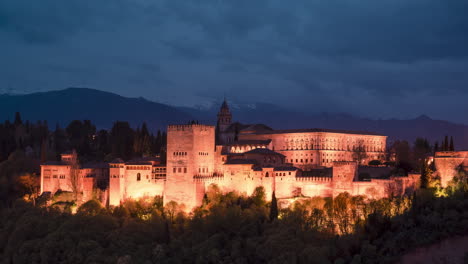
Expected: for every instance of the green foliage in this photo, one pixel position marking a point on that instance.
(90, 208)
(273, 208)
(231, 228)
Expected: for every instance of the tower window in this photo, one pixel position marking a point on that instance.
(138, 177)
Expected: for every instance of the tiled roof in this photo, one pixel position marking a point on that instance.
(138, 163)
(241, 161)
(306, 130)
(263, 151)
(55, 163)
(95, 165)
(248, 128)
(285, 168)
(256, 128)
(118, 160)
(251, 142)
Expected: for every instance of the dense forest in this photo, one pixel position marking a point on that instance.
(231, 228)
(227, 228)
(38, 141)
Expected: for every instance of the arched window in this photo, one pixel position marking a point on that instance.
(138, 176)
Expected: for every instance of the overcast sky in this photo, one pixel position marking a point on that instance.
(379, 59)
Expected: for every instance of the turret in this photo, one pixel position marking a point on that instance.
(224, 117)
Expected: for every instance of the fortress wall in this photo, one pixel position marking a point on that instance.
(146, 186)
(344, 173)
(116, 184)
(51, 181)
(189, 149)
(88, 186)
(447, 163)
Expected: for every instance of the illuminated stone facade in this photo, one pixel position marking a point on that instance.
(291, 163)
(448, 163)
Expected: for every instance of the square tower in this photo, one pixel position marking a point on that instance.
(190, 152)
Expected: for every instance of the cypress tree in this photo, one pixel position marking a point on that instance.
(424, 176)
(446, 144)
(436, 147)
(451, 148)
(273, 208)
(18, 120)
(43, 151)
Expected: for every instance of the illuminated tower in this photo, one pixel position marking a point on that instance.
(224, 117)
(190, 153)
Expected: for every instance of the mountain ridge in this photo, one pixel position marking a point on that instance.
(104, 108)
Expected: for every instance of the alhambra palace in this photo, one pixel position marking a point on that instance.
(241, 157)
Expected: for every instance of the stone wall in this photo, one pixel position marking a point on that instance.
(190, 152)
(312, 149)
(447, 164)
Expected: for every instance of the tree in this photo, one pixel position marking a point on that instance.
(75, 182)
(90, 208)
(18, 120)
(359, 151)
(81, 135)
(258, 196)
(43, 151)
(421, 150)
(122, 136)
(403, 155)
(273, 207)
(28, 185)
(451, 147)
(426, 176)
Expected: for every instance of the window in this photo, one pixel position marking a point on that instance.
(179, 170)
(174, 170)
(138, 176)
(185, 170)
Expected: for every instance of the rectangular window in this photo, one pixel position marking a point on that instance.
(174, 170)
(179, 170)
(185, 170)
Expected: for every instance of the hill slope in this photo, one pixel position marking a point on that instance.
(102, 108)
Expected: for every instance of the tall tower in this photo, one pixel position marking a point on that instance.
(224, 117)
(190, 152)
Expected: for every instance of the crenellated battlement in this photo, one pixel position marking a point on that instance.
(188, 127)
(313, 179)
(208, 178)
(343, 163)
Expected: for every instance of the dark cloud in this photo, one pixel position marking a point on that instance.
(394, 57)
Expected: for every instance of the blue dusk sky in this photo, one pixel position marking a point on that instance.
(378, 59)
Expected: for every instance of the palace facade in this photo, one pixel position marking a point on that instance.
(236, 157)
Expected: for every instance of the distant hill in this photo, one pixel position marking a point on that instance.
(280, 118)
(104, 108)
